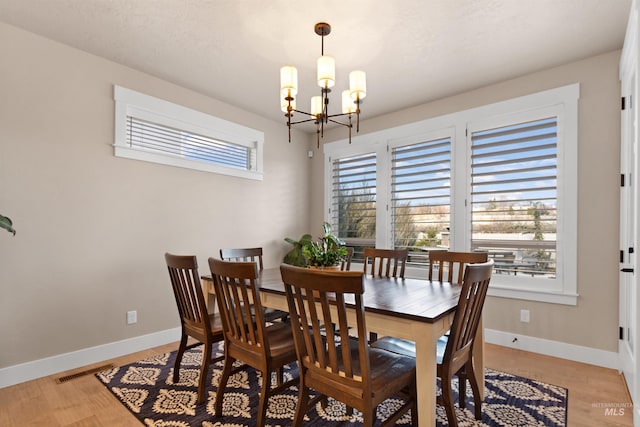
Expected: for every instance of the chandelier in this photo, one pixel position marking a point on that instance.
(351, 98)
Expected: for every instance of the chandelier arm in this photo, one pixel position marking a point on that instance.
(303, 121)
(340, 123)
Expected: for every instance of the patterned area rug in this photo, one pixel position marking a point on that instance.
(147, 390)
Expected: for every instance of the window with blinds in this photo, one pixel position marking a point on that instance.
(162, 139)
(421, 197)
(353, 200)
(158, 131)
(513, 196)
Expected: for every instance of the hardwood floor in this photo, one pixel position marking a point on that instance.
(84, 401)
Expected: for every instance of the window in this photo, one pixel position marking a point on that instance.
(513, 196)
(421, 197)
(353, 200)
(500, 178)
(158, 131)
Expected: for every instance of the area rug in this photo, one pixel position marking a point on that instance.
(147, 390)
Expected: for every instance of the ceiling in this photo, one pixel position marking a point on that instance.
(413, 51)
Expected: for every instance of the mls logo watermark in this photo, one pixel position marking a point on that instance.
(613, 409)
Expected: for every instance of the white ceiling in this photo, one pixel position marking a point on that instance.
(413, 51)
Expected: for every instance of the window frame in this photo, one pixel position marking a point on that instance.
(563, 103)
(145, 107)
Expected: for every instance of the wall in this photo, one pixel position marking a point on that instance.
(92, 229)
(594, 321)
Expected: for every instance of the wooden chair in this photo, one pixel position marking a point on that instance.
(265, 348)
(453, 263)
(253, 255)
(385, 262)
(455, 351)
(195, 321)
(346, 263)
(355, 374)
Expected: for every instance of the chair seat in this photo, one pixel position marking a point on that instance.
(389, 370)
(407, 347)
(280, 339)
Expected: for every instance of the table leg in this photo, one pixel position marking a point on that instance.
(426, 375)
(209, 294)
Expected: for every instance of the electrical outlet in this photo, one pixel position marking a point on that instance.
(132, 317)
(524, 316)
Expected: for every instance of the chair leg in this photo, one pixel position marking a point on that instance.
(176, 366)
(369, 417)
(302, 406)
(224, 377)
(204, 372)
(264, 397)
(280, 375)
(477, 401)
(447, 401)
(462, 390)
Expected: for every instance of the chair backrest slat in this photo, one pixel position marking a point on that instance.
(320, 298)
(243, 255)
(239, 303)
(389, 262)
(469, 311)
(187, 290)
(453, 263)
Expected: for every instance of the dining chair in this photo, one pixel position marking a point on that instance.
(333, 364)
(385, 262)
(246, 336)
(452, 263)
(345, 265)
(253, 255)
(195, 321)
(455, 351)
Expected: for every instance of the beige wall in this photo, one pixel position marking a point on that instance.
(93, 228)
(594, 321)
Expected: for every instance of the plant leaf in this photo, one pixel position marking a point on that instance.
(7, 224)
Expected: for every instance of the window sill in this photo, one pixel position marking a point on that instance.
(533, 295)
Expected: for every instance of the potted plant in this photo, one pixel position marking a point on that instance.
(328, 251)
(7, 224)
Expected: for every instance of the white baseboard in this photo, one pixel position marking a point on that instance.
(577, 353)
(63, 362)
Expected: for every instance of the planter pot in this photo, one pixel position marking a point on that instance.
(325, 267)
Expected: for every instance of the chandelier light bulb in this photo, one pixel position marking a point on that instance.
(288, 81)
(316, 106)
(358, 85)
(326, 71)
(348, 106)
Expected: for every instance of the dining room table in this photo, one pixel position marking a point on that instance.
(420, 310)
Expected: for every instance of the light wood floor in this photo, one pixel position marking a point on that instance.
(84, 401)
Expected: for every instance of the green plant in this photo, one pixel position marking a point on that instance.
(7, 224)
(328, 251)
(296, 255)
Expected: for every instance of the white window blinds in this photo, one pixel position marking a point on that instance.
(166, 140)
(353, 199)
(421, 197)
(513, 196)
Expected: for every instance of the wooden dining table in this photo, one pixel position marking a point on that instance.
(414, 309)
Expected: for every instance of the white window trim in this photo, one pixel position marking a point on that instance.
(131, 103)
(563, 101)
